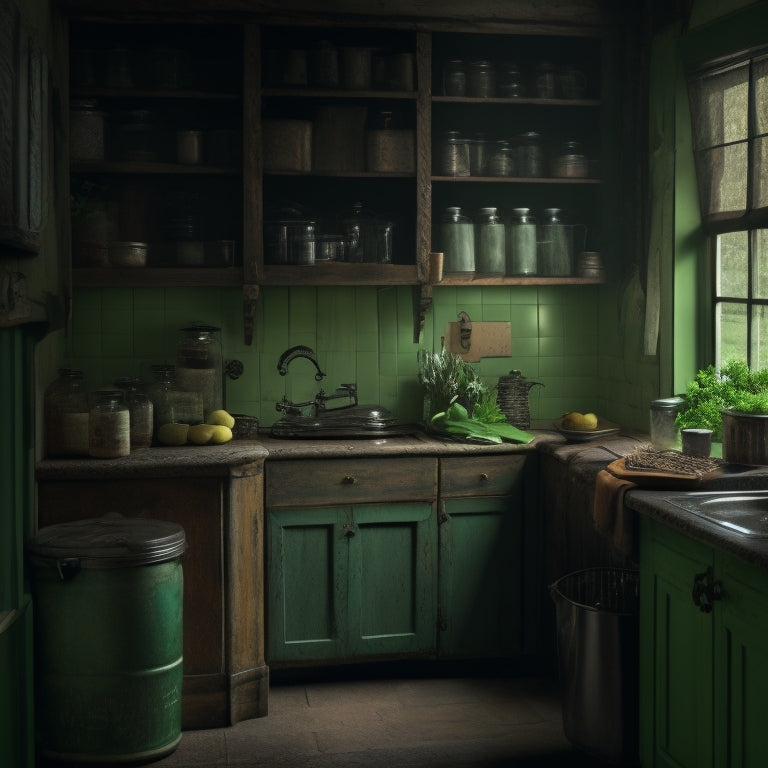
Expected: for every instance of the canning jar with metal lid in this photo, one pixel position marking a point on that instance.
(530, 155)
(454, 156)
(482, 79)
(109, 426)
(455, 78)
(663, 415)
(501, 161)
(570, 161)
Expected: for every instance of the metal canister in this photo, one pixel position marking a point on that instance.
(108, 598)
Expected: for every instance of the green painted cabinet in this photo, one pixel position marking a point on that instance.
(484, 610)
(703, 674)
(356, 579)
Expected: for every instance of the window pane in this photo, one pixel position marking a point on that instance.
(760, 75)
(760, 263)
(719, 107)
(723, 180)
(760, 172)
(759, 357)
(730, 332)
(731, 264)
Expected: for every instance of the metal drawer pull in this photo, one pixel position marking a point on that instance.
(706, 590)
(349, 480)
(349, 530)
(483, 476)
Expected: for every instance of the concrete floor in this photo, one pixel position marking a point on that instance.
(403, 721)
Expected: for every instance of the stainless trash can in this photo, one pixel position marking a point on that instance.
(597, 644)
(108, 639)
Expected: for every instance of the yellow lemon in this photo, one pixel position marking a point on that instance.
(221, 434)
(200, 434)
(590, 421)
(173, 434)
(572, 420)
(222, 418)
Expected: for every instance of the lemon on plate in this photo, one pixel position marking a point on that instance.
(173, 433)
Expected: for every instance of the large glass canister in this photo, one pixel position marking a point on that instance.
(109, 426)
(530, 155)
(490, 252)
(458, 242)
(521, 243)
(664, 431)
(555, 245)
(501, 161)
(455, 78)
(199, 365)
(482, 79)
(65, 408)
(170, 404)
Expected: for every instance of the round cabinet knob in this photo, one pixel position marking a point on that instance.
(484, 476)
(349, 480)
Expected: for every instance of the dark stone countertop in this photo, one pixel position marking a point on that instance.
(655, 505)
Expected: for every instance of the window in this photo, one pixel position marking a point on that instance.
(729, 112)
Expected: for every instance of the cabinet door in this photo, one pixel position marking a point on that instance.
(481, 577)
(392, 579)
(676, 653)
(741, 665)
(307, 583)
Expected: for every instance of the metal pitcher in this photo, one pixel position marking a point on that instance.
(512, 397)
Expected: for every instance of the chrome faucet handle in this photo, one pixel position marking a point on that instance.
(299, 351)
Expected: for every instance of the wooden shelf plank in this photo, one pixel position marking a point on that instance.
(167, 277)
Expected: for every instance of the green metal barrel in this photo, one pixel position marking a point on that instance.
(108, 639)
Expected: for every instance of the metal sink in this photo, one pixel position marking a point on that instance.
(743, 512)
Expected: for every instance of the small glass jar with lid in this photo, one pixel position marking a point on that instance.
(140, 409)
(109, 426)
(664, 430)
(501, 161)
(511, 84)
(454, 156)
(481, 82)
(570, 161)
(170, 404)
(65, 408)
(455, 78)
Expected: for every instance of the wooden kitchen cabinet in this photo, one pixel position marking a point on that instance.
(225, 676)
(703, 675)
(355, 579)
(488, 601)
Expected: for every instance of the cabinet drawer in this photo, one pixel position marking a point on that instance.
(307, 483)
(481, 476)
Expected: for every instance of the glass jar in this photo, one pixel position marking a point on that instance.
(521, 243)
(664, 431)
(458, 241)
(490, 251)
(511, 84)
(555, 245)
(65, 409)
(86, 131)
(546, 80)
(199, 365)
(478, 155)
(455, 78)
(482, 79)
(140, 410)
(454, 157)
(170, 404)
(109, 426)
(570, 161)
(530, 155)
(359, 233)
(501, 161)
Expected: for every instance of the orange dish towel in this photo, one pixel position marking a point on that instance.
(609, 515)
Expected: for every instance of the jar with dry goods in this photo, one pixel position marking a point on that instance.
(511, 84)
(570, 161)
(530, 155)
(199, 364)
(454, 157)
(140, 410)
(521, 243)
(490, 249)
(458, 242)
(109, 426)
(65, 407)
(501, 161)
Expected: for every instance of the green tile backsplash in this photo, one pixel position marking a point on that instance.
(362, 335)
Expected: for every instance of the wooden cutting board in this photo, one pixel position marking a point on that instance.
(487, 339)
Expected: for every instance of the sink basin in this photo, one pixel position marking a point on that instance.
(744, 512)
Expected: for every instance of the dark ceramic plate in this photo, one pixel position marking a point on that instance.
(604, 428)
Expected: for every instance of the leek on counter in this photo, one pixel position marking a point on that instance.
(456, 421)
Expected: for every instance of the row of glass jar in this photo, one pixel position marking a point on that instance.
(483, 79)
(522, 156)
(112, 422)
(489, 246)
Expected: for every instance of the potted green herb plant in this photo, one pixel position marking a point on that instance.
(733, 403)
